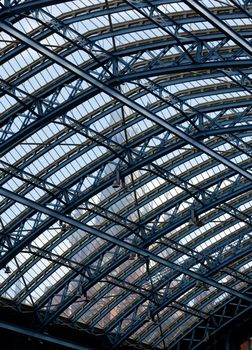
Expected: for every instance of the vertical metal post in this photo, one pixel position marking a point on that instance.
(249, 342)
(227, 342)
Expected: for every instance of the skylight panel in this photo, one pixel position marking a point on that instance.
(83, 136)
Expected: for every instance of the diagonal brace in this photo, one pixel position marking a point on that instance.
(120, 97)
(218, 23)
(117, 241)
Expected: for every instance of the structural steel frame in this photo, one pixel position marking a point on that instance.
(182, 86)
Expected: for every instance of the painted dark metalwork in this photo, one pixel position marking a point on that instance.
(126, 169)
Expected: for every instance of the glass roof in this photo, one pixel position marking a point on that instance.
(125, 163)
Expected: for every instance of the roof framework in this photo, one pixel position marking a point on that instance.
(125, 198)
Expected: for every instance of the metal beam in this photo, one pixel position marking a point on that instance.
(147, 242)
(109, 54)
(166, 302)
(179, 324)
(31, 5)
(34, 234)
(219, 315)
(24, 242)
(120, 97)
(84, 197)
(224, 131)
(99, 276)
(44, 119)
(222, 26)
(31, 287)
(114, 240)
(175, 295)
(162, 283)
(182, 341)
(41, 336)
(28, 6)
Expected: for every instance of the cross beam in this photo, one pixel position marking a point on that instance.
(28, 6)
(218, 23)
(114, 240)
(41, 336)
(120, 97)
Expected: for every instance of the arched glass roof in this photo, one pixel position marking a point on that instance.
(125, 166)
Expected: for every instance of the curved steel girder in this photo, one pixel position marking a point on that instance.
(198, 135)
(95, 167)
(171, 299)
(140, 73)
(141, 90)
(121, 98)
(126, 51)
(120, 298)
(202, 304)
(31, 5)
(151, 12)
(75, 251)
(160, 155)
(137, 166)
(44, 274)
(157, 71)
(119, 242)
(28, 6)
(164, 190)
(124, 7)
(119, 54)
(128, 171)
(239, 316)
(80, 247)
(34, 126)
(201, 37)
(97, 280)
(165, 318)
(223, 131)
(221, 25)
(97, 189)
(40, 153)
(12, 227)
(108, 54)
(215, 327)
(147, 332)
(148, 241)
(43, 179)
(144, 26)
(79, 99)
(138, 324)
(208, 252)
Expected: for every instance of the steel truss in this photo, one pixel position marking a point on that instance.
(169, 205)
